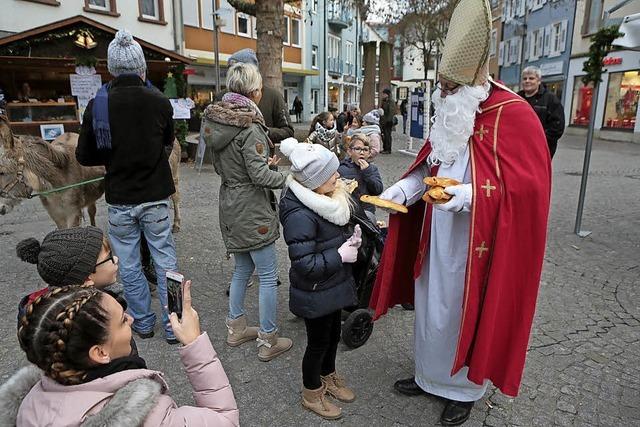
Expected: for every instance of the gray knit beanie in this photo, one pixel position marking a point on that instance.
(125, 55)
(246, 56)
(311, 164)
(65, 257)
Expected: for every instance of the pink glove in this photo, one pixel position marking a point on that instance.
(349, 249)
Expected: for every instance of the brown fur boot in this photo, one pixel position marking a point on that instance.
(337, 388)
(271, 346)
(317, 402)
(238, 332)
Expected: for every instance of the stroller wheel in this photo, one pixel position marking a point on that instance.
(357, 329)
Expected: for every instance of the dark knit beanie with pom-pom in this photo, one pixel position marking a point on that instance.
(65, 257)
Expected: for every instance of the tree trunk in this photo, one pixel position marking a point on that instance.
(386, 52)
(269, 26)
(368, 95)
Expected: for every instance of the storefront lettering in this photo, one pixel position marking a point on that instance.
(612, 60)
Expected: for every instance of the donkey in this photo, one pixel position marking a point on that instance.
(30, 164)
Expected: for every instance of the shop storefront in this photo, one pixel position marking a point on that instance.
(617, 114)
(49, 73)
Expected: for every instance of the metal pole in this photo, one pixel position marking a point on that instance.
(585, 166)
(215, 46)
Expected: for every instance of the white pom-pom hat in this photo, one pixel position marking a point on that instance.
(311, 164)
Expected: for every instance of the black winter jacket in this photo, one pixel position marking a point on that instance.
(551, 114)
(320, 282)
(141, 122)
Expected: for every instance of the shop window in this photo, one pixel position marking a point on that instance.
(555, 88)
(295, 32)
(151, 11)
(107, 7)
(243, 25)
(581, 102)
(622, 100)
(403, 93)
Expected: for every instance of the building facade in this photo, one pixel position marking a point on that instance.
(150, 20)
(536, 32)
(617, 116)
(496, 37)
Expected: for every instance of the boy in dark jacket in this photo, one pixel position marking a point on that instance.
(357, 167)
(315, 209)
(126, 128)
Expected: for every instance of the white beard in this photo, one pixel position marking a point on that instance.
(453, 122)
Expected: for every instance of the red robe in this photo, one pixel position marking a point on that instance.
(511, 178)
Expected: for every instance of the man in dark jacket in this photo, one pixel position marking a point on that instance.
(386, 121)
(546, 105)
(128, 128)
(272, 104)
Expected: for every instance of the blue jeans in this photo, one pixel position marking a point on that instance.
(126, 223)
(264, 262)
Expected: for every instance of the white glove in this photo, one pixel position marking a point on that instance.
(349, 249)
(394, 194)
(461, 200)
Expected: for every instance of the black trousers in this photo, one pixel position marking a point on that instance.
(323, 335)
(552, 147)
(386, 137)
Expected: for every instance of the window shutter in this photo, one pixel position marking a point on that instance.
(547, 40)
(540, 42)
(501, 54)
(563, 36)
(527, 50)
(521, 8)
(518, 50)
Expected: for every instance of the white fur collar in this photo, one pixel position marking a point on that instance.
(334, 209)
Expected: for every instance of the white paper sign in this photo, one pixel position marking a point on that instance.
(182, 108)
(85, 85)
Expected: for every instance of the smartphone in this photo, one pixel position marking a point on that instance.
(174, 292)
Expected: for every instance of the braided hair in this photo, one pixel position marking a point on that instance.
(58, 329)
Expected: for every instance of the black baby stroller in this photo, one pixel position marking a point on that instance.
(358, 320)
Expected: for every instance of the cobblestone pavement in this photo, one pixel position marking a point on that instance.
(581, 367)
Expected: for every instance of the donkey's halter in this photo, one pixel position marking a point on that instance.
(19, 179)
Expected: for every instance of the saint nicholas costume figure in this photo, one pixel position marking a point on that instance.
(471, 266)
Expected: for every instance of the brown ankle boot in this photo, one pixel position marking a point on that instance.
(316, 401)
(337, 388)
(238, 332)
(271, 346)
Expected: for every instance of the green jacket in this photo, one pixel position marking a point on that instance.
(247, 207)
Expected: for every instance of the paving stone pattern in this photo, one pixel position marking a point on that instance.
(582, 366)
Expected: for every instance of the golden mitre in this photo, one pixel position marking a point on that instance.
(465, 57)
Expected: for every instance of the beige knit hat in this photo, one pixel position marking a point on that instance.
(465, 57)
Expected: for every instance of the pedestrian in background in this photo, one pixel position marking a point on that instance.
(315, 209)
(546, 105)
(323, 131)
(371, 128)
(236, 130)
(403, 111)
(297, 108)
(387, 121)
(128, 128)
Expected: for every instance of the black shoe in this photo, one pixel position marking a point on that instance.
(408, 387)
(144, 335)
(172, 341)
(455, 413)
(408, 306)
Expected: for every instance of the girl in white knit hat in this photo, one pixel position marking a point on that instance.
(315, 209)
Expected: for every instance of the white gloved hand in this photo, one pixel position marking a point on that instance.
(348, 253)
(394, 194)
(460, 201)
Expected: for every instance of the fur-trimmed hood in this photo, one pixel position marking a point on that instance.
(132, 399)
(225, 122)
(335, 209)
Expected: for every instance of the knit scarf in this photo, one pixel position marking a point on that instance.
(325, 135)
(238, 99)
(100, 113)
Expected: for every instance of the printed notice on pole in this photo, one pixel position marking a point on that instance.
(182, 108)
(85, 86)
